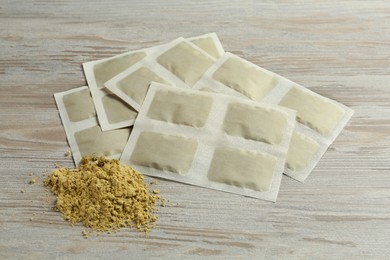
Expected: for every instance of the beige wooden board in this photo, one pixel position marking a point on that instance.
(339, 49)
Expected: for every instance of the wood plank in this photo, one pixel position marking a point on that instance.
(340, 49)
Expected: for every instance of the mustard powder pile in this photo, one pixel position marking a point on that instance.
(104, 195)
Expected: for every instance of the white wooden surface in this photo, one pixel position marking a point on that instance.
(340, 49)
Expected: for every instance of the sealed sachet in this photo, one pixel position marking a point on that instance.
(319, 119)
(179, 63)
(211, 140)
(132, 84)
(84, 135)
(210, 43)
(113, 112)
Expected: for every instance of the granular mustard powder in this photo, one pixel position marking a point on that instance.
(104, 195)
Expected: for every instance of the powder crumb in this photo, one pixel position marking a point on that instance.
(156, 191)
(31, 219)
(22, 191)
(153, 182)
(56, 165)
(85, 234)
(32, 181)
(67, 153)
(162, 204)
(104, 195)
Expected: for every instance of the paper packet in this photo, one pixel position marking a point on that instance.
(211, 140)
(179, 63)
(319, 119)
(84, 135)
(210, 43)
(112, 112)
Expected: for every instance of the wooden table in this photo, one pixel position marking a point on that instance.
(340, 49)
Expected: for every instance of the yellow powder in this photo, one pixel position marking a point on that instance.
(32, 181)
(85, 234)
(162, 204)
(104, 195)
(57, 165)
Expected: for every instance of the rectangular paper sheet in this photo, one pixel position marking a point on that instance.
(179, 63)
(196, 137)
(84, 135)
(112, 112)
(319, 119)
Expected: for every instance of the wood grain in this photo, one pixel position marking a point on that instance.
(340, 49)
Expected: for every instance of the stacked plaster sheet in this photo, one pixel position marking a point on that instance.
(211, 140)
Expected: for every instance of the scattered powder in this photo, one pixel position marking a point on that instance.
(57, 165)
(32, 181)
(85, 234)
(22, 191)
(67, 153)
(104, 195)
(162, 204)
